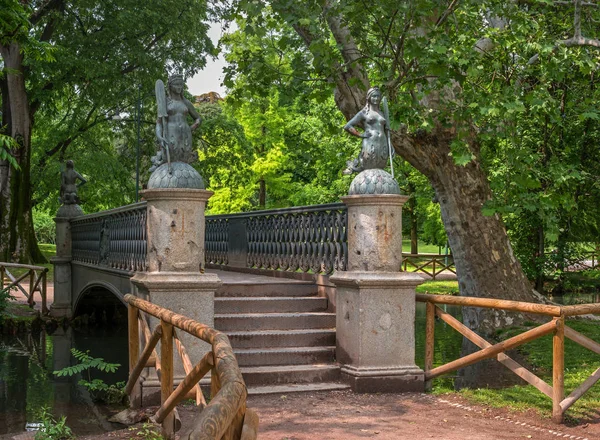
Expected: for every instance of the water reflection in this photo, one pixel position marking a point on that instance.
(447, 340)
(27, 383)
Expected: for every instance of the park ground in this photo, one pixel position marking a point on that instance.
(343, 415)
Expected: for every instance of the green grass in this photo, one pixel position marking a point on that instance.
(422, 247)
(439, 287)
(49, 251)
(580, 363)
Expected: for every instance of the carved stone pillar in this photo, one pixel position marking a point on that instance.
(175, 278)
(375, 302)
(62, 306)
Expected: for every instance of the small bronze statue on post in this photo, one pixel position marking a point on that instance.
(69, 186)
(173, 134)
(376, 145)
(376, 148)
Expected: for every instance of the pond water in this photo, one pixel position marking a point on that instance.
(27, 382)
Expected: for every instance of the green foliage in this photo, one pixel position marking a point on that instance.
(86, 362)
(523, 109)
(147, 431)
(99, 390)
(53, 429)
(5, 298)
(433, 228)
(45, 226)
(7, 144)
(439, 287)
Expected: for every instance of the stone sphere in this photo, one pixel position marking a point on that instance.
(374, 181)
(182, 175)
(69, 211)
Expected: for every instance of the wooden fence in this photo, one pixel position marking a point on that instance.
(556, 327)
(226, 416)
(36, 275)
(430, 264)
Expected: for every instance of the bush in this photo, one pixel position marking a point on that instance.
(5, 297)
(51, 429)
(45, 228)
(99, 391)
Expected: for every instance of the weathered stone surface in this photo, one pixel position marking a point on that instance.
(182, 175)
(375, 330)
(176, 229)
(375, 302)
(69, 211)
(375, 232)
(374, 181)
(62, 304)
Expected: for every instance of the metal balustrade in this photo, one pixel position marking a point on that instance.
(306, 238)
(115, 238)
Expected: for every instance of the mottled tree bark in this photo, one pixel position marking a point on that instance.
(17, 238)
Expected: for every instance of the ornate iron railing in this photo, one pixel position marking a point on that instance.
(115, 238)
(306, 238)
(216, 240)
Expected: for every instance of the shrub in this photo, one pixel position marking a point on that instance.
(51, 429)
(45, 228)
(99, 391)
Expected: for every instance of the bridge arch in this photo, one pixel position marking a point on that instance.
(101, 301)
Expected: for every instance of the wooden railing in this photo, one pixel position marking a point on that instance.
(430, 264)
(556, 327)
(36, 275)
(226, 416)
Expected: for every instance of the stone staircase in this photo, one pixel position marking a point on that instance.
(282, 335)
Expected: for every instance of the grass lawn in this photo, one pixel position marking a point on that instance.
(49, 251)
(580, 363)
(423, 248)
(439, 287)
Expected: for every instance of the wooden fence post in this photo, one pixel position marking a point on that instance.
(558, 369)
(134, 352)
(31, 284)
(429, 340)
(166, 380)
(44, 292)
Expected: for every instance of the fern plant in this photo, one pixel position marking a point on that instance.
(52, 429)
(98, 389)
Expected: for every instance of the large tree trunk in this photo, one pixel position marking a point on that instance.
(17, 238)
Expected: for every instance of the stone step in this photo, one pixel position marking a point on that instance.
(296, 388)
(290, 374)
(273, 321)
(270, 304)
(283, 288)
(281, 338)
(254, 357)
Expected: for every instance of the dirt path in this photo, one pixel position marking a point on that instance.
(343, 415)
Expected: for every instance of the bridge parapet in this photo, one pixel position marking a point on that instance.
(305, 238)
(115, 238)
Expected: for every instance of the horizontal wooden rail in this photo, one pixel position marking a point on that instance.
(37, 282)
(557, 327)
(491, 303)
(503, 358)
(224, 417)
(426, 263)
(493, 350)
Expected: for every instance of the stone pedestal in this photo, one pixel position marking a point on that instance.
(62, 304)
(175, 278)
(375, 302)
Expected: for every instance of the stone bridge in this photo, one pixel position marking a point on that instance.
(285, 328)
